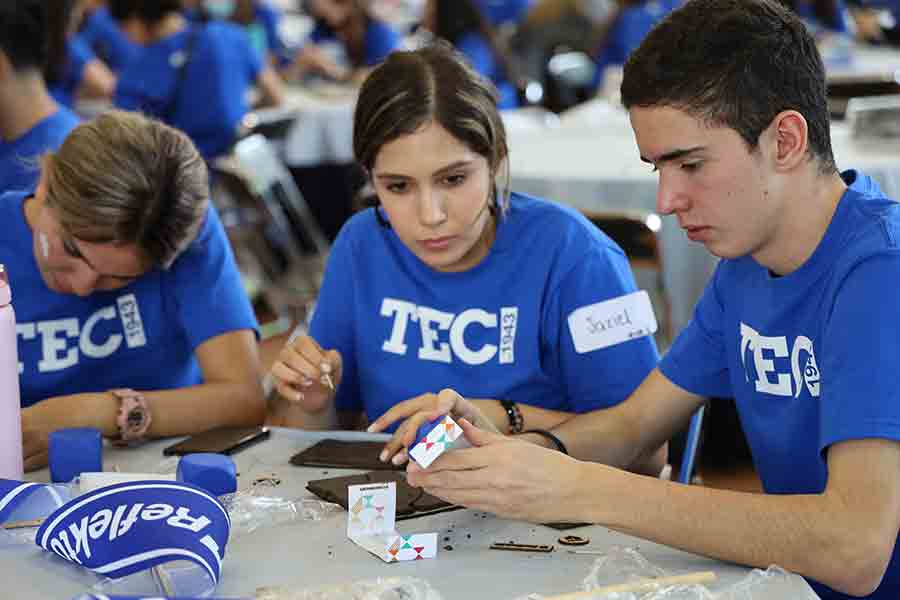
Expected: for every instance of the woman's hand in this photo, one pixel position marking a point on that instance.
(422, 409)
(34, 445)
(307, 374)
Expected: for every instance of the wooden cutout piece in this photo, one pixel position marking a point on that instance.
(521, 547)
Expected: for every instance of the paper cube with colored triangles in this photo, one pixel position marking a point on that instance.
(370, 525)
(433, 439)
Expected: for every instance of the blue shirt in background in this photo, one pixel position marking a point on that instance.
(142, 336)
(381, 40)
(499, 12)
(481, 56)
(78, 55)
(19, 166)
(212, 98)
(498, 330)
(627, 32)
(810, 358)
(103, 35)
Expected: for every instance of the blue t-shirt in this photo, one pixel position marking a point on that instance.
(499, 12)
(78, 55)
(498, 330)
(19, 167)
(808, 357)
(381, 40)
(837, 21)
(211, 100)
(627, 32)
(481, 56)
(269, 18)
(141, 336)
(101, 32)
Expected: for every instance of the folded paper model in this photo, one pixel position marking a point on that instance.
(371, 525)
(433, 439)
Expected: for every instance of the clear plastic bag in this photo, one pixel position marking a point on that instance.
(624, 565)
(41, 503)
(392, 588)
(178, 578)
(254, 509)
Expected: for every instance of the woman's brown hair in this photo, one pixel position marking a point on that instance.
(431, 84)
(124, 178)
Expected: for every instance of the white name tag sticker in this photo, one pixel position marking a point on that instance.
(612, 322)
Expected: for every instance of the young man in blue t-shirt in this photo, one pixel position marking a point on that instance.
(31, 122)
(800, 323)
(131, 317)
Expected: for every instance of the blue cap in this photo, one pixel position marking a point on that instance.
(215, 473)
(73, 452)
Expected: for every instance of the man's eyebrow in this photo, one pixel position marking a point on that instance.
(673, 155)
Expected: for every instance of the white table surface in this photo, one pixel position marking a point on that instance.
(309, 554)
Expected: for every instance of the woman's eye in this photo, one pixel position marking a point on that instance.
(70, 249)
(456, 179)
(691, 166)
(397, 188)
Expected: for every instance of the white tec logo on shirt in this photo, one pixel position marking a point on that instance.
(431, 321)
(763, 349)
(64, 341)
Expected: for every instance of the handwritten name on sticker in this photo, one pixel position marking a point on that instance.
(612, 322)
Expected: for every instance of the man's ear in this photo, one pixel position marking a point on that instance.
(789, 138)
(6, 67)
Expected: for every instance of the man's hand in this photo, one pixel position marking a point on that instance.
(419, 410)
(503, 476)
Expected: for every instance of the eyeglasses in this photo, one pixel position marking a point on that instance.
(71, 249)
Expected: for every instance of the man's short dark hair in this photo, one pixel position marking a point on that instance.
(23, 33)
(733, 63)
(150, 11)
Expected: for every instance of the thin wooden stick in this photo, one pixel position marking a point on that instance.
(163, 580)
(640, 585)
(22, 524)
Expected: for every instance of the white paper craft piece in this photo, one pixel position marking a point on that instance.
(436, 442)
(612, 322)
(372, 509)
(370, 525)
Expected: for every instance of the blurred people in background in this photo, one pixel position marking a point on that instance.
(103, 35)
(31, 122)
(73, 71)
(346, 42)
(260, 20)
(193, 75)
(504, 12)
(461, 23)
(628, 23)
(821, 15)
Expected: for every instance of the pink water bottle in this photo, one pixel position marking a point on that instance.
(10, 403)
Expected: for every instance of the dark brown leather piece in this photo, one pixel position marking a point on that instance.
(338, 454)
(411, 502)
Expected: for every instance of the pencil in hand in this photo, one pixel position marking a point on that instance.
(327, 381)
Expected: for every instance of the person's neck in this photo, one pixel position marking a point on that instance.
(808, 208)
(167, 26)
(24, 102)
